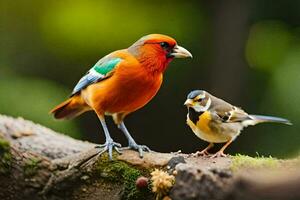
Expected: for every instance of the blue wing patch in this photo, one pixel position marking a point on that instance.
(99, 72)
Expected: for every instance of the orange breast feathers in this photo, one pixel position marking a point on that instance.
(130, 88)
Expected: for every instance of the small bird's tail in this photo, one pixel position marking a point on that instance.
(70, 108)
(261, 119)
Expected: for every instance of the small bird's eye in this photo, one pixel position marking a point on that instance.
(164, 45)
(200, 100)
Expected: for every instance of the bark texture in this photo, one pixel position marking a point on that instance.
(38, 163)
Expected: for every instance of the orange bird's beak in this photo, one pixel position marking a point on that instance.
(180, 52)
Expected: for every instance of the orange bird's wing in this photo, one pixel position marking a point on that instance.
(103, 69)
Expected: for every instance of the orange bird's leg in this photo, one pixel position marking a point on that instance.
(220, 153)
(118, 119)
(109, 144)
(131, 143)
(204, 151)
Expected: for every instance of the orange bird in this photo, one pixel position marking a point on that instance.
(121, 83)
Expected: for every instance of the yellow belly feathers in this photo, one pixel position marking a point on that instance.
(204, 132)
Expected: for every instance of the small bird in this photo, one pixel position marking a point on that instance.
(121, 83)
(216, 121)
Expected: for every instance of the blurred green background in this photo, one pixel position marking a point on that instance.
(247, 52)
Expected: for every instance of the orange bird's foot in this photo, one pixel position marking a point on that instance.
(140, 148)
(108, 147)
(219, 154)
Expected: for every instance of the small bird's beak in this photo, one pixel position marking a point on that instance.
(180, 52)
(188, 103)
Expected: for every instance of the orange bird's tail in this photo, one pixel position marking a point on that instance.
(70, 108)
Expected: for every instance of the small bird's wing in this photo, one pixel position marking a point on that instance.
(224, 112)
(103, 69)
(230, 114)
(238, 115)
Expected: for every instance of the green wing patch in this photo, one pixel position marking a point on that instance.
(106, 67)
(96, 73)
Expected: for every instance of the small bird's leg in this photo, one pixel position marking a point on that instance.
(109, 144)
(221, 153)
(131, 143)
(204, 151)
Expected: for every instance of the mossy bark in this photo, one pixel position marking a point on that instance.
(5, 156)
(37, 163)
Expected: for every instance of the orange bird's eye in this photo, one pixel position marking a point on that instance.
(164, 45)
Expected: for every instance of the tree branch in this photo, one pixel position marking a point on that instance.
(38, 163)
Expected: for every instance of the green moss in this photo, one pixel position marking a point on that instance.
(5, 156)
(4, 145)
(242, 161)
(31, 166)
(120, 172)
